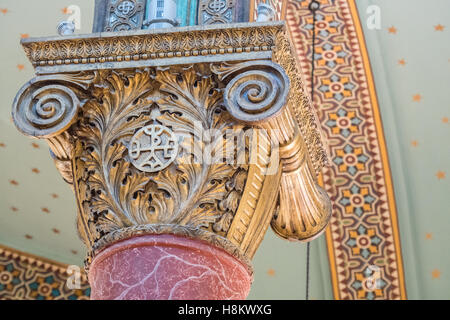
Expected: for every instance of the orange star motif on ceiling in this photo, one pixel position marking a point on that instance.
(14, 209)
(4, 11)
(439, 27)
(402, 62)
(55, 230)
(436, 274)
(414, 143)
(66, 10)
(54, 195)
(46, 210)
(392, 30)
(417, 97)
(28, 237)
(2, 145)
(20, 67)
(428, 236)
(271, 272)
(24, 35)
(35, 170)
(440, 175)
(74, 251)
(13, 182)
(35, 145)
(444, 120)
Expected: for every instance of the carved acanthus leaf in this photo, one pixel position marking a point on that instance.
(193, 107)
(112, 184)
(188, 192)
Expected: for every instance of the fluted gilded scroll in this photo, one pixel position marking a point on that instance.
(258, 93)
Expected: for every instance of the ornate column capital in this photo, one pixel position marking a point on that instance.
(204, 132)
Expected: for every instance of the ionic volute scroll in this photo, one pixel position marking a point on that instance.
(46, 107)
(259, 93)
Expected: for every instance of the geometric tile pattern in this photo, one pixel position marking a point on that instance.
(26, 277)
(363, 237)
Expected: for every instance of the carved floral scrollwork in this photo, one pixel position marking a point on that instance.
(257, 91)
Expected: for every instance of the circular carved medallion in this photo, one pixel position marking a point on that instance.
(153, 148)
(125, 8)
(217, 5)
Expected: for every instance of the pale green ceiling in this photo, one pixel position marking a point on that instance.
(422, 199)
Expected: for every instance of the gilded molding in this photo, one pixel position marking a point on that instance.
(149, 45)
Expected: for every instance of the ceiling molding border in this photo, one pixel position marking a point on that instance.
(24, 276)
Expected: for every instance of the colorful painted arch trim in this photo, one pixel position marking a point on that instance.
(363, 238)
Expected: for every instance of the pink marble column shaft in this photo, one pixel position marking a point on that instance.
(153, 267)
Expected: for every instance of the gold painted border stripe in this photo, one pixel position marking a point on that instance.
(385, 162)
